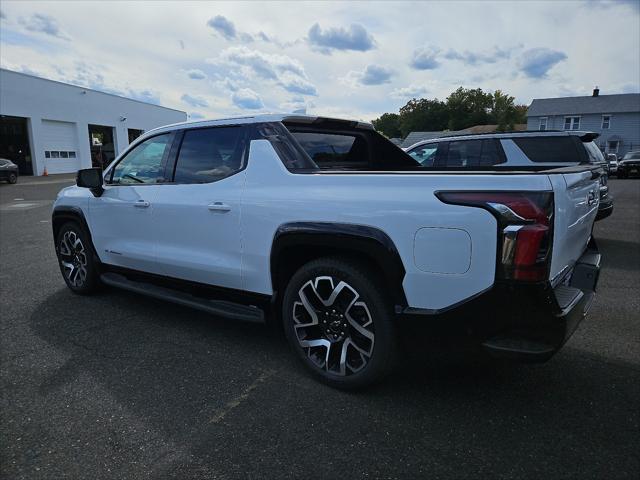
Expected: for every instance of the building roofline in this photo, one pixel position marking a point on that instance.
(586, 96)
(90, 89)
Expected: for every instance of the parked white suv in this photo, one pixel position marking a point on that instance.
(337, 233)
(521, 150)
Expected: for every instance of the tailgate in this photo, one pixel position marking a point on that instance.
(576, 197)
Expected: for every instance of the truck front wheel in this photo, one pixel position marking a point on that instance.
(339, 321)
(78, 265)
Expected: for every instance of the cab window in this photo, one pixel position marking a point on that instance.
(333, 150)
(145, 163)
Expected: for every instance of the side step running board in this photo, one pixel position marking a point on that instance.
(215, 307)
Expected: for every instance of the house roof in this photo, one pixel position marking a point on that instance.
(415, 137)
(624, 102)
(518, 127)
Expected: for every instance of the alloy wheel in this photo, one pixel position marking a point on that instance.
(73, 258)
(333, 325)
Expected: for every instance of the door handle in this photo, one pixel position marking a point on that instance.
(141, 204)
(219, 207)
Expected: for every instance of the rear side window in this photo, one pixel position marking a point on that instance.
(209, 154)
(594, 153)
(470, 153)
(329, 150)
(550, 149)
(425, 154)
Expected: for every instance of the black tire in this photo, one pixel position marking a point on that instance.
(13, 178)
(76, 259)
(621, 175)
(369, 354)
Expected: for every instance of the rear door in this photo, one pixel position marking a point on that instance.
(197, 215)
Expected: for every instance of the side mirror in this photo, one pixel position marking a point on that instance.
(90, 178)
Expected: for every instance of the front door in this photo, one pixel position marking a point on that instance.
(198, 213)
(122, 219)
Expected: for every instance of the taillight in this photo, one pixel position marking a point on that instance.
(525, 229)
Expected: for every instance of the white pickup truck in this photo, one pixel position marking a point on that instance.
(331, 228)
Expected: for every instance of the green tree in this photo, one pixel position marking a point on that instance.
(503, 111)
(423, 115)
(521, 113)
(506, 113)
(469, 107)
(388, 124)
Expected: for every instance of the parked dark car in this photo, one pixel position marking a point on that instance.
(629, 165)
(8, 171)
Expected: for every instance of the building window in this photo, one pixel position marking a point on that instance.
(543, 123)
(612, 146)
(572, 123)
(606, 122)
(59, 154)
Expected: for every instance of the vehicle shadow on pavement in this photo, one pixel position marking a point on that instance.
(620, 254)
(184, 373)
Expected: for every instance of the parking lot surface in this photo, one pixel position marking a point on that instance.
(120, 386)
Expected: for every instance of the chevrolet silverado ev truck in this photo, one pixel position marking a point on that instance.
(339, 234)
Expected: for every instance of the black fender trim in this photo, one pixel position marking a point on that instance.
(342, 237)
(64, 213)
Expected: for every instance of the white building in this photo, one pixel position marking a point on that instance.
(61, 127)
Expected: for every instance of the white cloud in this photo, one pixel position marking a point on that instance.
(223, 26)
(425, 58)
(371, 75)
(196, 74)
(246, 98)
(194, 101)
(39, 22)
(412, 91)
(283, 70)
(355, 37)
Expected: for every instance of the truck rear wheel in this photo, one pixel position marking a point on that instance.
(339, 321)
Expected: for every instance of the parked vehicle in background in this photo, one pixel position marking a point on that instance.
(629, 165)
(524, 150)
(340, 235)
(8, 171)
(612, 158)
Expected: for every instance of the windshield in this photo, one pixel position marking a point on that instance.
(632, 156)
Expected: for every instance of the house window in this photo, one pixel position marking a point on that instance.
(612, 146)
(572, 123)
(543, 123)
(606, 121)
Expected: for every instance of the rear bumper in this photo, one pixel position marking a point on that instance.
(606, 208)
(524, 322)
(541, 337)
(4, 174)
(627, 169)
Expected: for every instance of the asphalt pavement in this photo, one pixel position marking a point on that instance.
(119, 386)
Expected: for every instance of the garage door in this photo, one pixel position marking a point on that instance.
(60, 142)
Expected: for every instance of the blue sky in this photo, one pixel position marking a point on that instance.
(354, 60)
